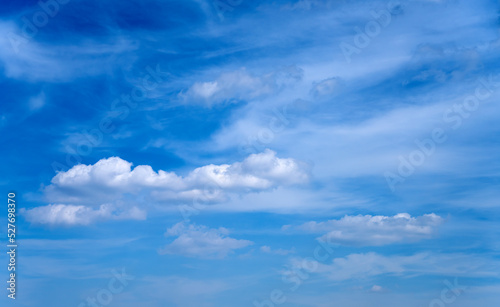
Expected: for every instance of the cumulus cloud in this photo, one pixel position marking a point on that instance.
(368, 230)
(240, 85)
(71, 215)
(110, 187)
(201, 242)
(114, 176)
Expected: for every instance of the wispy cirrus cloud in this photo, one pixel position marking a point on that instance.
(72, 215)
(44, 61)
(235, 86)
(366, 266)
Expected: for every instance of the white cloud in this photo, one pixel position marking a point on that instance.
(201, 241)
(112, 186)
(205, 89)
(368, 230)
(240, 85)
(114, 177)
(79, 215)
(376, 288)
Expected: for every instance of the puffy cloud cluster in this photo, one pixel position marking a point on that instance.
(114, 175)
(368, 230)
(201, 242)
(115, 181)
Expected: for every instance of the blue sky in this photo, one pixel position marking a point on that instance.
(252, 153)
